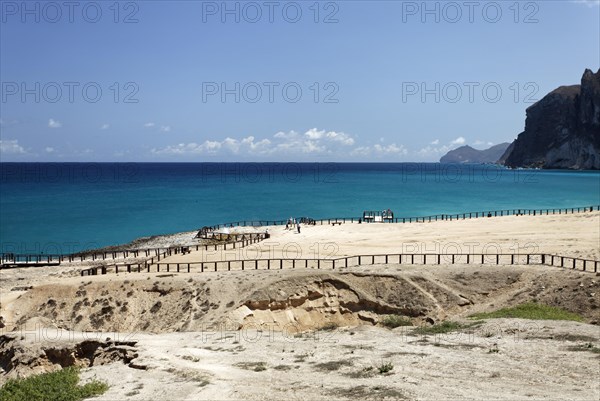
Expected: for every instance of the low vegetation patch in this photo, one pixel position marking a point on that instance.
(332, 365)
(444, 327)
(531, 310)
(393, 321)
(61, 385)
(365, 372)
(255, 366)
(385, 368)
(589, 347)
(363, 392)
(330, 326)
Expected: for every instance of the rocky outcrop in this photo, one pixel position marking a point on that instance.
(21, 357)
(562, 130)
(467, 154)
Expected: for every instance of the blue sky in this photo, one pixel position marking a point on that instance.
(280, 81)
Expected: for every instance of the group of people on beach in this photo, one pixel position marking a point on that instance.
(291, 223)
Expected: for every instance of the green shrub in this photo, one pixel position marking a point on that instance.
(56, 386)
(393, 321)
(385, 367)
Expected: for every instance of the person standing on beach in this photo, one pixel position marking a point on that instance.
(298, 226)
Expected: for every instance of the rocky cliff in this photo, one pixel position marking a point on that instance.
(562, 130)
(467, 154)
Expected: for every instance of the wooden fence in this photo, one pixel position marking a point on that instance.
(586, 265)
(7, 258)
(155, 254)
(420, 219)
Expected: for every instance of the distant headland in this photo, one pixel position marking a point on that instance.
(562, 131)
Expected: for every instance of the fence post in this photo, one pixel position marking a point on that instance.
(574, 261)
(527, 258)
(188, 267)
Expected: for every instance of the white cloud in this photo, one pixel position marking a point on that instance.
(261, 146)
(340, 137)
(11, 146)
(313, 133)
(379, 150)
(52, 123)
(313, 141)
(49, 149)
(436, 142)
(208, 147)
(458, 141)
(149, 125)
(589, 3)
(165, 128)
(433, 152)
(361, 151)
(105, 126)
(121, 153)
(312, 147)
(390, 149)
(286, 135)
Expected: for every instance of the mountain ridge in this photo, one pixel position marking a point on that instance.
(468, 154)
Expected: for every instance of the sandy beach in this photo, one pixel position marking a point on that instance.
(319, 334)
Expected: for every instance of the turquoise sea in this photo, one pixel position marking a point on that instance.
(68, 207)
